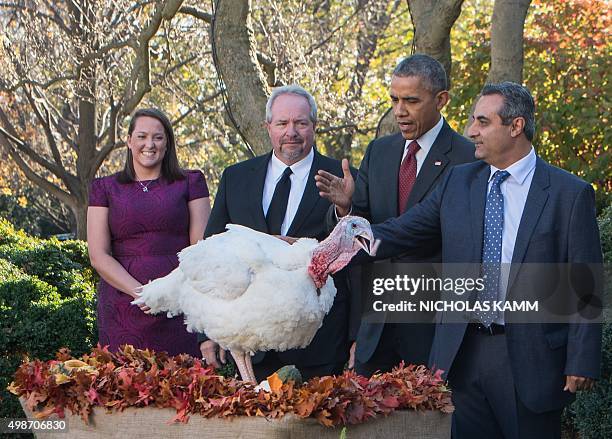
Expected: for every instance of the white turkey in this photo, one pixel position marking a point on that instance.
(249, 291)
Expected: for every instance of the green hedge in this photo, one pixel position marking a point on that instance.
(592, 411)
(64, 265)
(605, 229)
(47, 301)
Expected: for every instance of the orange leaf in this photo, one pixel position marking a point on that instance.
(46, 412)
(275, 383)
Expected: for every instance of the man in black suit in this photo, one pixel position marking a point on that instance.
(276, 193)
(396, 173)
(509, 379)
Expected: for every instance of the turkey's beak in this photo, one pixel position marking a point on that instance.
(366, 241)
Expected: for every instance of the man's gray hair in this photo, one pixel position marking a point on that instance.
(292, 89)
(518, 102)
(430, 71)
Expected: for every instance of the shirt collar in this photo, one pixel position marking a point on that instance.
(427, 140)
(521, 169)
(300, 169)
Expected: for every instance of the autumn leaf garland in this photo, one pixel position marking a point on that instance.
(139, 378)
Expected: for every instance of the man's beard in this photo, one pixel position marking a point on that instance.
(292, 154)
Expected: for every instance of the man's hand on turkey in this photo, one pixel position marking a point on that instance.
(337, 190)
(212, 354)
(351, 360)
(287, 239)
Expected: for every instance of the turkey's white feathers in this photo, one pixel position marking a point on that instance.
(247, 290)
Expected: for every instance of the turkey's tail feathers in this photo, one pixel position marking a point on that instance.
(163, 294)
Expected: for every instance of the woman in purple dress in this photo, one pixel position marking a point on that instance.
(137, 221)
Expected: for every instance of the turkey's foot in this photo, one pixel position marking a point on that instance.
(245, 367)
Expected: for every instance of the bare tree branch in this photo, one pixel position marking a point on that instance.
(11, 135)
(199, 105)
(61, 123)
(197, 13)
(32, 175)
(140, 79)
(54, 18)
(330, 35)
(176, 67)
(56, 214)
(58, 19)
(87, 58)
(111, 143)
(105, 151)
(444, 15)
(46, 124)
(43, 85)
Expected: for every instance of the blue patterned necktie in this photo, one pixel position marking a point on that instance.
(492, 247)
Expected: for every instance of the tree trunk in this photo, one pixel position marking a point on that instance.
(242, 77)
(433, 21)
(507, 26)
(79, 210)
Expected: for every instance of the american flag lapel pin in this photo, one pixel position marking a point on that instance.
(438, 163)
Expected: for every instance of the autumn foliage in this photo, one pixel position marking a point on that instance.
(140, 378)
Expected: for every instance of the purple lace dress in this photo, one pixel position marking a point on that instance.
(147, 229)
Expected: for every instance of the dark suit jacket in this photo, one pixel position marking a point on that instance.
(375, 199)
(239, 201)
(558, 226)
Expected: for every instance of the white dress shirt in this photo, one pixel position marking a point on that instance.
(425, 142)
(298, 179)
(514, 190)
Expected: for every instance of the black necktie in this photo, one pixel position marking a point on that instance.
(278, 205)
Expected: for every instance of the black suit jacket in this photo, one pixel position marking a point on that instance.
(375, 199)
(375, 196)
(239, 201)
(558, 225)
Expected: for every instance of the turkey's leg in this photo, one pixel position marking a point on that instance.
(242, 367)
(249, 365)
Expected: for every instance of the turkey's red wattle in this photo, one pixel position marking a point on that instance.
(318, 269)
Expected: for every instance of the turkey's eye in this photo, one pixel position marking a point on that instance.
(354, 226)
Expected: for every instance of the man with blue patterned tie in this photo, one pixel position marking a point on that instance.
(508, 379)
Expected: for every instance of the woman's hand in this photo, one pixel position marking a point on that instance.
(135, 293)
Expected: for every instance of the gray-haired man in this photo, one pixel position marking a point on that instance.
(276, 193)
